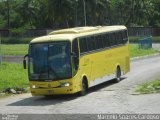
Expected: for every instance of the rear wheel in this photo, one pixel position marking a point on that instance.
(118, 74)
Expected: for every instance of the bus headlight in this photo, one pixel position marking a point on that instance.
(65, 84)
(33, 86)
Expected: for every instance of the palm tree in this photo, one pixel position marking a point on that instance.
(61, 12)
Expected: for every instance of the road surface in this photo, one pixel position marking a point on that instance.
(156, 46)
(106, 98)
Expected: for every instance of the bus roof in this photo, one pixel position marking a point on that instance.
(72, 33)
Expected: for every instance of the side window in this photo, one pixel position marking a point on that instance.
(114, 38)
(91, 43)
(111, 39)
(98, 46)
(106, 40)
(125, 38)
(83, 45)
(101, 41)
(121, 37)
(118, 37)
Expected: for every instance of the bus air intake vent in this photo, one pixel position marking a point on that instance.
(75, 30)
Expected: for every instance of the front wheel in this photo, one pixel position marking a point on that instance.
(118, 75)
(84, 88)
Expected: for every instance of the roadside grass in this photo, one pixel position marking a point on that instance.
(14, 49)
(13, 75)
(155, 39)
(135, 51)
(134, 39)
(15, 40)
(150, 87)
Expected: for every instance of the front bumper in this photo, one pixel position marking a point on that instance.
(52, 91)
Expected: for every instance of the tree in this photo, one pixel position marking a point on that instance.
(55, 14)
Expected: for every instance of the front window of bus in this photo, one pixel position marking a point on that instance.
(49, 61)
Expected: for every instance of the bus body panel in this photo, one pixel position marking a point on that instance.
(97, 66)
(54, 88)
(104, 63)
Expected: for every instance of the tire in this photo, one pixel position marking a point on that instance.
(118, 75)
(84, 88)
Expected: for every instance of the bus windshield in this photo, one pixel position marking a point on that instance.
(49, 61)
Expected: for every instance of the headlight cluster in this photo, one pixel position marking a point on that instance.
(65, 84)
(61, 85)
(33, 86)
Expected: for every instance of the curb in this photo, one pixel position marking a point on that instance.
(144, 57)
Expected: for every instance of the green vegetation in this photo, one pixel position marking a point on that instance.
(155, 39)
(134, 39)
(150, 87)
(15, 40)
(69, 13)
(12, 76)
(135, 51)
(17, 49)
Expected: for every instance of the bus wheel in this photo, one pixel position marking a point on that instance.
(118, 74)
(84, 88)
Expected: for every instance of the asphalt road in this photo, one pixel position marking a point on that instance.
(106, 98)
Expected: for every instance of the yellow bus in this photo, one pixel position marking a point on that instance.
(72, 60)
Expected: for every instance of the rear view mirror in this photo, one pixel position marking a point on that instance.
(24, 62)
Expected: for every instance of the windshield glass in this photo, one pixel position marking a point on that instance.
(49, 61)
